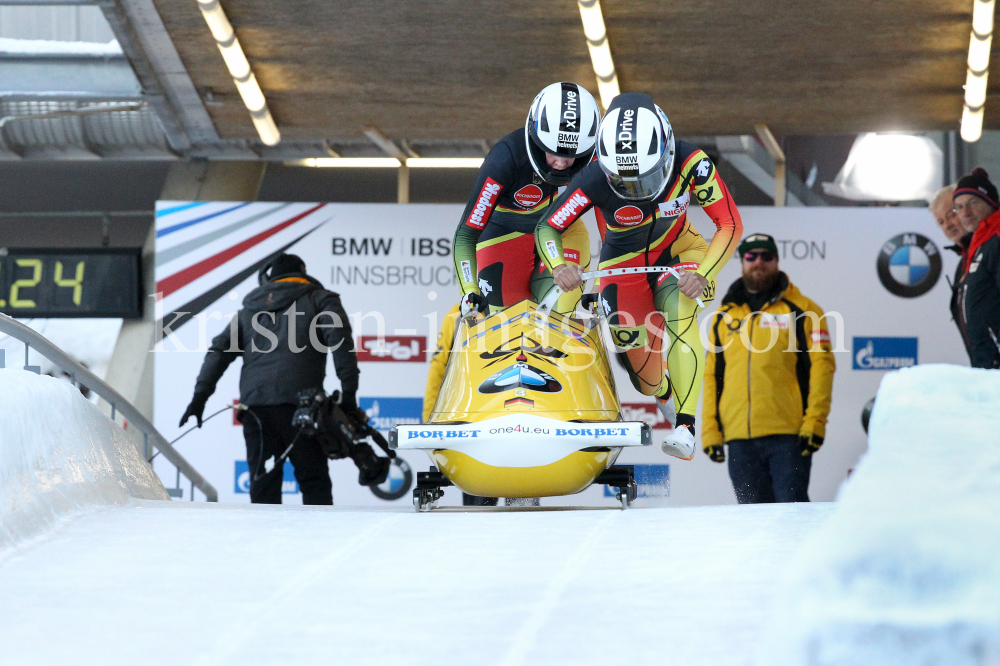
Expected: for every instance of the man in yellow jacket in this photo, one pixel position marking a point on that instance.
(768, 380)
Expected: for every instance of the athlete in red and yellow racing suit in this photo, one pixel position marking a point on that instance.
(641, 307)
(495, 243)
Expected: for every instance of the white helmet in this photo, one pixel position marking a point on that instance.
(562, 121)
(636, 147)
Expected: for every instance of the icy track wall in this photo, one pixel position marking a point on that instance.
(58, 454)
(907, 570)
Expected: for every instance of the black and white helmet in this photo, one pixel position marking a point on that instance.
(562, 121)
(636, 147)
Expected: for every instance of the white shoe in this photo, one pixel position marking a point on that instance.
(668, 410)
(679, 443)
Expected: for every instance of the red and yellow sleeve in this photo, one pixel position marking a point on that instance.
(706, 188)
(567, 209)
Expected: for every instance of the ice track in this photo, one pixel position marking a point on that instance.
(159, 583)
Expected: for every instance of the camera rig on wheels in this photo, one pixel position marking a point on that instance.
(341, 433)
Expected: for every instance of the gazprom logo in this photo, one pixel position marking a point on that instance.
(384, 413)
(884, 353)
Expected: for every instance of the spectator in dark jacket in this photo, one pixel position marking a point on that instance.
(283, 333)
(943, 209)
(976, 203)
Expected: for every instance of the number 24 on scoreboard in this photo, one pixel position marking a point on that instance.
(35, 265)
(77, 282)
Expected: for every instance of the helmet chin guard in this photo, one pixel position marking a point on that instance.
(563, 122)
(635, 147)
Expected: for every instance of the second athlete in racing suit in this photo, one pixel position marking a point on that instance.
(494, 243)
(650, 228)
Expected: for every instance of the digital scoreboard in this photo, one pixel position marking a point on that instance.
(102, 282)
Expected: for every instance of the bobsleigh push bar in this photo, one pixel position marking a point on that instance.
(556, 291)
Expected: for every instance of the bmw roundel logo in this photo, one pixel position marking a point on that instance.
(397, 484)
(909, 265)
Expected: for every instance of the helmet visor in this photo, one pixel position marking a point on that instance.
(641, 188)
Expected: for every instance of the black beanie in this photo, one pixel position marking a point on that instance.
(286, 264)
(978, 183)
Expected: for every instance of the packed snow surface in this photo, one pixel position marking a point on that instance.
(59, 454)
(907, 570)
(185, 583)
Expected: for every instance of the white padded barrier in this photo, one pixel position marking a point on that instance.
(59, 454)
(907, 570)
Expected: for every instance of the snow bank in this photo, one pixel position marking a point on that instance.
(58, 453)
(907, 570)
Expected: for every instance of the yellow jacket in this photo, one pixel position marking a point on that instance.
(784, 390)
(439, 361)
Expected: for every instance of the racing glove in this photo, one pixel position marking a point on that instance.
(809, 444)
(195, 409)
(717, 452)
(472, 304)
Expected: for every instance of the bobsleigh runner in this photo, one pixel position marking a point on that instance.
(528, 408)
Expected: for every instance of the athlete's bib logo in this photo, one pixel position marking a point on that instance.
(702, 171)
(629, 216)
(528, 196)
(487, 199)
(705, 195)
(629, 338)
(675, 207)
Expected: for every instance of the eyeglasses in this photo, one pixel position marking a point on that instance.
(763, 256)
(968, 205)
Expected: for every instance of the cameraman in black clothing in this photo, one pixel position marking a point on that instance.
(282, 356)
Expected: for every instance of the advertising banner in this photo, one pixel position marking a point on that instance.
(878, 272)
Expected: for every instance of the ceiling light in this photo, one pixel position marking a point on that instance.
(390, 162)
(890, 167)
(239, 69)
(980, 43)
(365, 162)
(445, 162)
(600, 52)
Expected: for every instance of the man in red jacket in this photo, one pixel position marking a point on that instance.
(976, 203)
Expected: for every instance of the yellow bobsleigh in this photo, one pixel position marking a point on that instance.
(528, 408)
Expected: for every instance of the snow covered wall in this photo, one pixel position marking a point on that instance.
(907, 570)
(59, 453)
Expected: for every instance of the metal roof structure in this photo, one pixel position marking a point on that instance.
(447, 77)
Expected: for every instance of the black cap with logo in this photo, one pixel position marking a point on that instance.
(757, 242)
